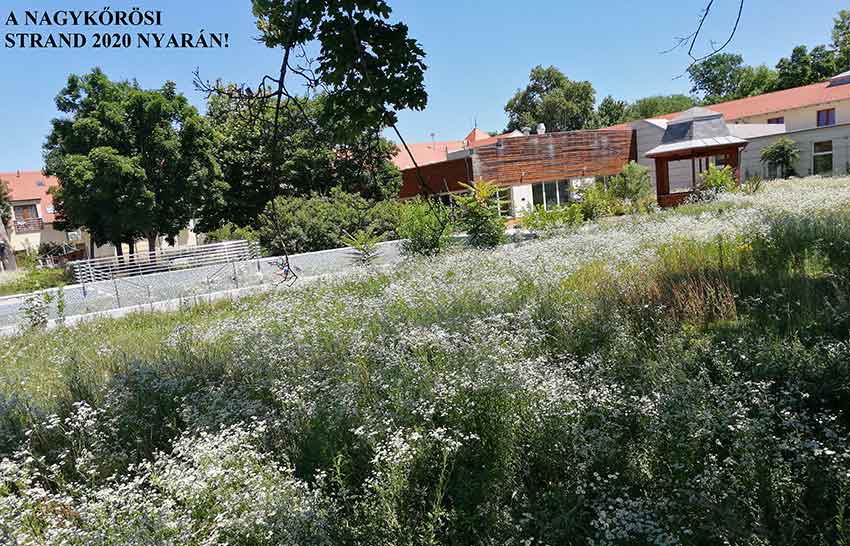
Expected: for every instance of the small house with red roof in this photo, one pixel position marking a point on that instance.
(33, 215)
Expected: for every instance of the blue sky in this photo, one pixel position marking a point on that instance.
(478, 53)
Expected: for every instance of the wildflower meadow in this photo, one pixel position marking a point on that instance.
(679, 377)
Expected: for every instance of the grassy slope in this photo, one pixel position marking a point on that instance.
(669, 378)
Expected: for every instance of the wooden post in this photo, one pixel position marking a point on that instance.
(662, 177)
(733, 162)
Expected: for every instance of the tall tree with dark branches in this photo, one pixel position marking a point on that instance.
(346, 54)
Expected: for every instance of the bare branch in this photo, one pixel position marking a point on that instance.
(691, 39)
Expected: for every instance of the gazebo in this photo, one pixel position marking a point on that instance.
(701, 136)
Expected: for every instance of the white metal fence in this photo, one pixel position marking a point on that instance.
(119, 287)
(146, 263)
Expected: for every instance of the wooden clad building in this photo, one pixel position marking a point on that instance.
(533, 169)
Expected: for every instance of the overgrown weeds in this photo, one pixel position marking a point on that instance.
(678, 381)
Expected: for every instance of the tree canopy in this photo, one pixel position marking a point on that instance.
(317, 156)
(724, 76)
(5, 203)
(841, 40)
(553, 99)
(658, 105)
(368, 67)
(7, 257)
(718, 77)
(131, 162)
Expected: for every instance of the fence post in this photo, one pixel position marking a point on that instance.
(117, 296)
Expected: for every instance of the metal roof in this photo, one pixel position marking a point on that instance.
(694, 129)
(694, 145)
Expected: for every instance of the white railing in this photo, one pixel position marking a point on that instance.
(31, 225)
(145, 263)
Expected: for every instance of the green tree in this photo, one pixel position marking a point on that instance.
(7, 256)
(717, 78)
(650, 107)
(824, 63)
(368, 67)
(796, 70)
(105, 193)
(756, 80)
(841, 40)
(553, 99)
(610, 112)
(5, 203)
(363, 67)
(479, 214)
(632, 183)
(782, 154)
(151, 138)
(314, 158)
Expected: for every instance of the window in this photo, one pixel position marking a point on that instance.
(822, 158)
(826, 117)
(25, 212)
(551, 194)
(772, 171)
(776, 121)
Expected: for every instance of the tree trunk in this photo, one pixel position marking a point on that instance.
(7, 255)
(131, 244)
(119, 252)
(152, 248)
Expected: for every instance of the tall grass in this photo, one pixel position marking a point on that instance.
(673, 381)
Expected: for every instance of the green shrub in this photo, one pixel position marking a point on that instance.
(365, 244)
(479, 214)
(307, 224)
(596, 202)
(715, 181)
(782, 154)
(541, 219)
(231, 232)
(632, 184)
(425, 227)
(32, 279)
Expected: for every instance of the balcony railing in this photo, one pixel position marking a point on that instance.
(33, 225)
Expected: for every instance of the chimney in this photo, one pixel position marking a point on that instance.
(19, 173)
(526, 131)
(541, 129)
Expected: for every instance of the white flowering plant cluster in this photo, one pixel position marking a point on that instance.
(678, 378)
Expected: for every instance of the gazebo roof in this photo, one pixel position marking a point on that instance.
(695, 129)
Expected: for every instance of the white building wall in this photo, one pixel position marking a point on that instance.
(839, 135)
(804, 118)
(522, 199)
(648, 137)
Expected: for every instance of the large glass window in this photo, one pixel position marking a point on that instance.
(551, 194)
(537, 195)
(822, 158)
(776, 121)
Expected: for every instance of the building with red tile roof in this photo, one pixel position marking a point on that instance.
(816, 117)
(32, 187)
